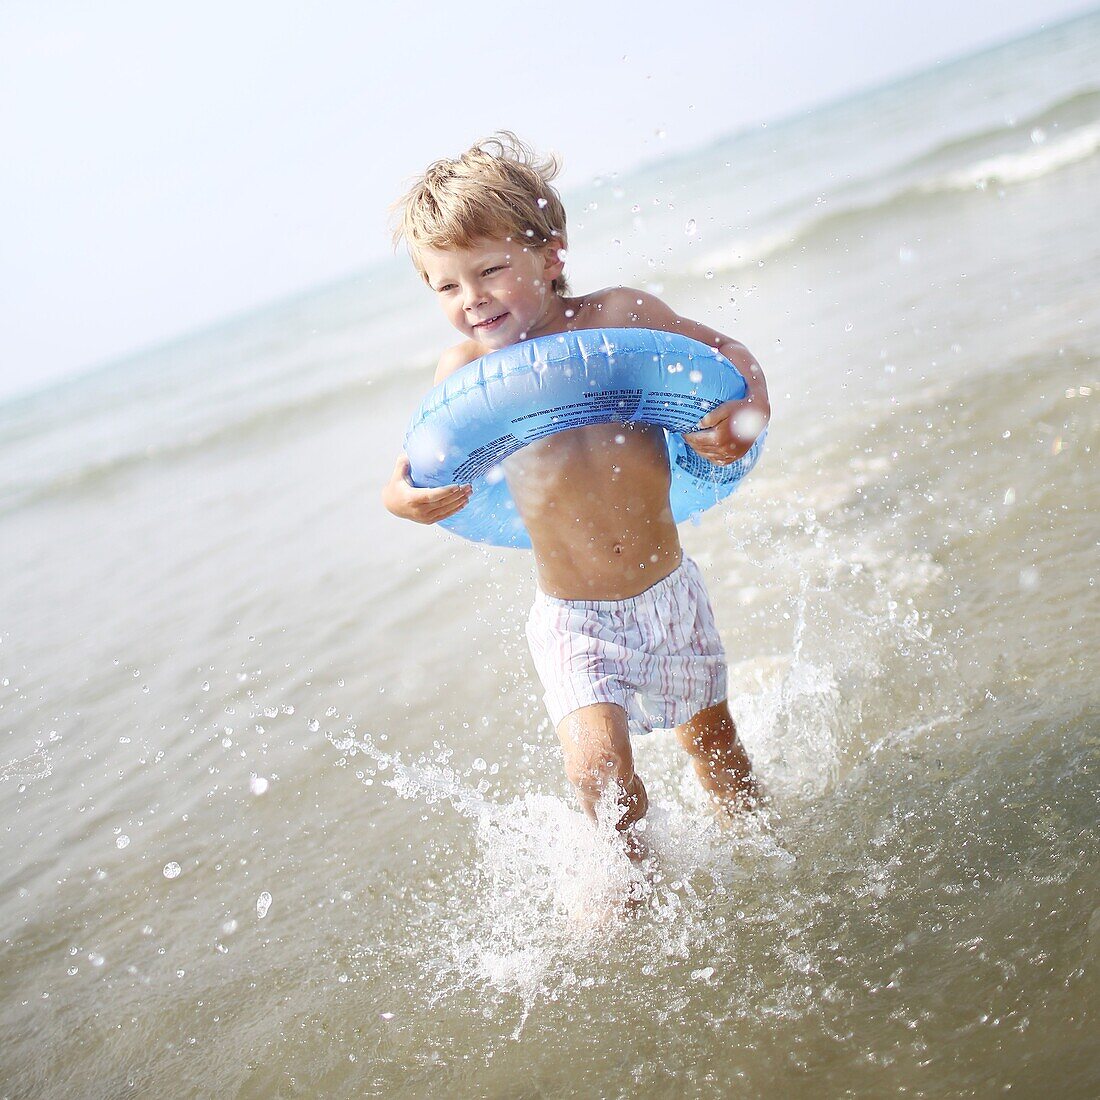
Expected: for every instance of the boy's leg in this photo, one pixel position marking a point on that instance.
(720, 760)
(596, 745)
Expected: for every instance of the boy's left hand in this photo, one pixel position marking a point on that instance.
(726, 433)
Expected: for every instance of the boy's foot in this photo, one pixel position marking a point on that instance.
(585, 913)
(640, 890)
(596, 909)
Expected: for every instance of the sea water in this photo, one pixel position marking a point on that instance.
(283, 812)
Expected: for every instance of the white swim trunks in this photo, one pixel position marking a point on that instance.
(657, 655)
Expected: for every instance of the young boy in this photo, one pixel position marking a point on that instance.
(621, 632)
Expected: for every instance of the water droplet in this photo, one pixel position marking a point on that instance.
(314, 725)
(1038, 135)
(620, 439)
(386, 1015)
(122, 841)
(543, 203)
(258, 785)
(263, 904)
(229, 927)
(696, 376)
(691, 227)
(480, 765)
(849, 326)
(206, 685)
(96, 960)
(172, 870)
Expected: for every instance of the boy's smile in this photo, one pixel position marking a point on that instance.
(497, 292)
(491, 325)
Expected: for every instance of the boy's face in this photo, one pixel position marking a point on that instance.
(497, 292)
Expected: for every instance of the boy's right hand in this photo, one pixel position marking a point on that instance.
(404, 499)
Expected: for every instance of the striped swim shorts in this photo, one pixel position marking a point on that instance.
(657, 655)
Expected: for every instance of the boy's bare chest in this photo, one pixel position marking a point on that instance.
(598, 461)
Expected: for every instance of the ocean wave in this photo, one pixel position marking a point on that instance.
(289, 414)
(1044, 157)
(1082, 106)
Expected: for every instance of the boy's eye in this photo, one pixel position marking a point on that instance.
(490, 270)
(446, 286)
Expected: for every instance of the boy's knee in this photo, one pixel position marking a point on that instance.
(619, 790)
(591, 772)
(704, 742)
(598, 759)
(710, 733)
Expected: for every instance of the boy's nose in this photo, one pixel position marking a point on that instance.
(473, 297)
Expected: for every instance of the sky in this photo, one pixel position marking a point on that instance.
(165, 166)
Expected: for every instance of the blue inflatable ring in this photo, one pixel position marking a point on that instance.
(492, 407)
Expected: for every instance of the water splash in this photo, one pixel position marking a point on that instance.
(546, 892)
(29, 769)
(528, 902)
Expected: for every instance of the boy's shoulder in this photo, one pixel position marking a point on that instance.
(455, 358)
(626, 307)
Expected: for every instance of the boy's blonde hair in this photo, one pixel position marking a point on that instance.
(497, 188)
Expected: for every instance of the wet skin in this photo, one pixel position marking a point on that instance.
(595, 503)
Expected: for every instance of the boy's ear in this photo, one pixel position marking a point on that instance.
(553, 265)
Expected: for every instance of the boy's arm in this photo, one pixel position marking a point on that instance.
(400, 496)
(727, 432)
